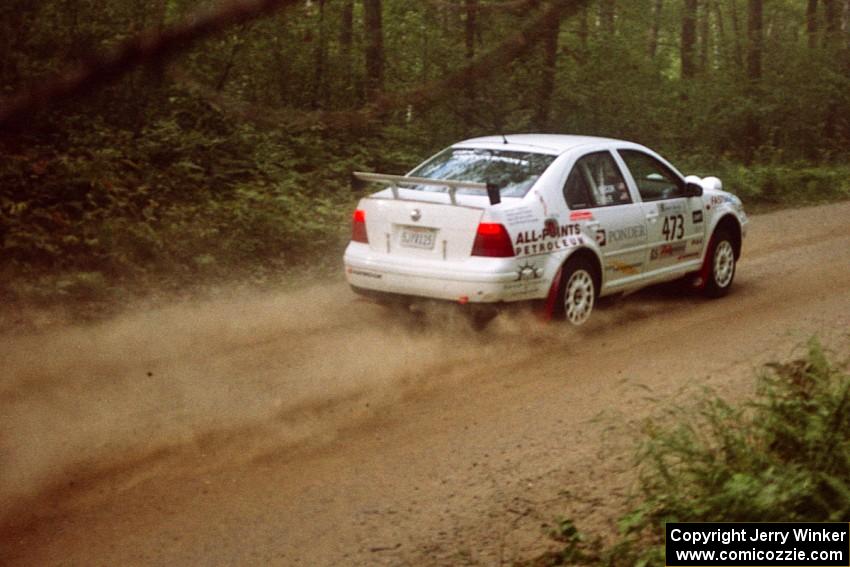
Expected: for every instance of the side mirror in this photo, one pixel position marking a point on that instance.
(693, 189)
(713, 184)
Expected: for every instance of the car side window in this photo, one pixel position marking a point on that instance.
(655, 181)
(596, 181)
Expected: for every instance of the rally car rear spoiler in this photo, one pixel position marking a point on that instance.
(395, 180)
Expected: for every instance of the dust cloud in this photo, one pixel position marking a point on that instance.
(252, 374)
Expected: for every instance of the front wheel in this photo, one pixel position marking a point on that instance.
(721, 265)
(578, 292)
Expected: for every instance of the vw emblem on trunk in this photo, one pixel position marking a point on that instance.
(415, 214)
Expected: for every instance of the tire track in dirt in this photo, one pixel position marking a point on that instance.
(307, 428)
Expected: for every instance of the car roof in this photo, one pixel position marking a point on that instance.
(545, 143)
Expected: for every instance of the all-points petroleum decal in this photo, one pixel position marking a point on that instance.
(552, 237)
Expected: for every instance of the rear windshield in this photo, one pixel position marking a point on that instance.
(513, 172)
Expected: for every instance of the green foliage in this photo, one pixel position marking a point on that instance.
(793, 184)
(784, 456)
(223, 162)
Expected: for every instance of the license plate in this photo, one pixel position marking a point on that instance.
(417, 237)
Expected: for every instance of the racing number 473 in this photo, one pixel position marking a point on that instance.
(674, 227)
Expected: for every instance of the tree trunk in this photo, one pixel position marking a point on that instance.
(374, 45)
(736, 33)
(832, 11)
(550, 66)
(319, 91)
(755, 36)
(162, 16)
(689, 17)
(755, 39)
(812, 23)
(723, 51)
(845, 23)
(346, 39)
(654, 29)
(228, 67)
(608, 16)
(470, 25)
(705, 36)
(583, 28)
(470, 28)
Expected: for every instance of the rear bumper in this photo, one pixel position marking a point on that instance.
(475, 280)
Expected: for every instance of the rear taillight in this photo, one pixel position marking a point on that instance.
(358, 227)
(492, 240)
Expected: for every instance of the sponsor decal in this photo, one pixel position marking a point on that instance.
(622, 267)
(365, 274)
(549, 246)
(714, 201)
(697, 241)
(601, 237)
(551, 229)
(667, 251)
(629, 233)
(521, 289)
(671, 208)
(552, 238)
(697, 217)
(689, 256)
(635, 232)
(521, 216)
(581, 216)
(528, 272)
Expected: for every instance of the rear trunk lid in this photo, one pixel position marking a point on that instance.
(423, 225)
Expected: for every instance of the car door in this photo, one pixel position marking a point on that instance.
(598, 197)
(674, 222)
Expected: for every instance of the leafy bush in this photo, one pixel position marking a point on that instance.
(784, 456)
(176, 204)
(792, 184)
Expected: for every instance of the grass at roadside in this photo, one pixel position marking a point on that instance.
(783, 456)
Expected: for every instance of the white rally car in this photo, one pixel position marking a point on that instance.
(559, 219)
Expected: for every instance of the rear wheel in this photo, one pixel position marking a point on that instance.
(721, 260)
(578, 291)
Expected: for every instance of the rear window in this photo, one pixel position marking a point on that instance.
(513, 172)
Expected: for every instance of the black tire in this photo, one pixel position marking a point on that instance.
(578, 292)
(721, 265)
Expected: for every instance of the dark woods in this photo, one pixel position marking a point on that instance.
(188, 139)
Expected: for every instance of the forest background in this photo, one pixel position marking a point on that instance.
(224, 156)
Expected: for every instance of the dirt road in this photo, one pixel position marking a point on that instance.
(311, 429)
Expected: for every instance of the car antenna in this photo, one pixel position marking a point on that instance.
(504, 139)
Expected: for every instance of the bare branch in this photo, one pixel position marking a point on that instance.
(152, 46)
(420, 96)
